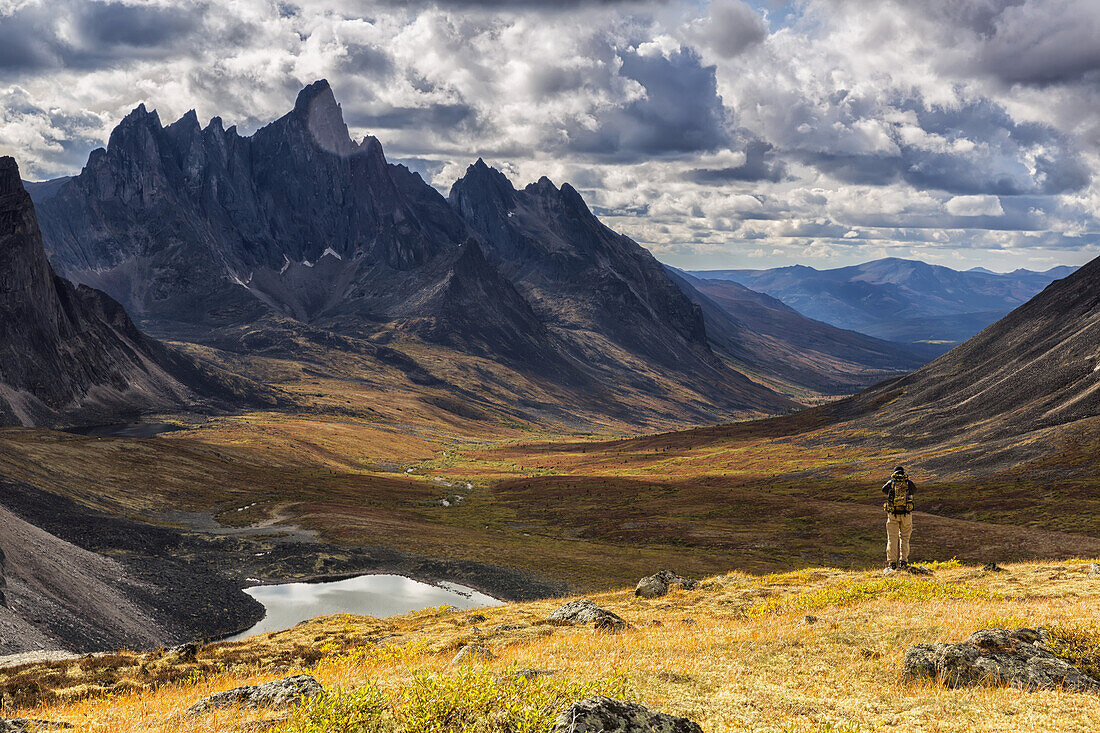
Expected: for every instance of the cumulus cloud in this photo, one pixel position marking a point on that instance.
(714, 132)
(974, 206)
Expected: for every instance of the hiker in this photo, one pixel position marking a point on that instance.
(899, 518)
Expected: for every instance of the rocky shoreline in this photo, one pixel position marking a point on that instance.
(191, 581)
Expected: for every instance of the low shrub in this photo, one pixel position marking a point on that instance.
(1079, 645)
(849, 593)
(469, 701)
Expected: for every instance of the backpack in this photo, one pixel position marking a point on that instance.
(900, 500)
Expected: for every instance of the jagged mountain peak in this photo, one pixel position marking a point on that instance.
(11, 183)
(482, 183)
(317, 108)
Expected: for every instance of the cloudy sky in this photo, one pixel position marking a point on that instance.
(718, 134)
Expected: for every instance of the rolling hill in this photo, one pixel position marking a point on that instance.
(898, 300)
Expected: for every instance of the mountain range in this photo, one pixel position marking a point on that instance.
(299, 236)
(899, 300)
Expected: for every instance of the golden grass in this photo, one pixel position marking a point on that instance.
(706, 654)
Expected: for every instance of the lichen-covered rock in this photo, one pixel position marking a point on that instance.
(280, 693)
(605, 715)
(660, 583)
(1020, 658)
(585, 611)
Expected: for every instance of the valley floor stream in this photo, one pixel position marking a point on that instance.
(287, 604)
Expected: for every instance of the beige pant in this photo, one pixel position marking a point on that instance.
(899, 528)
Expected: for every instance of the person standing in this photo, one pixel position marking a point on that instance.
(899, 518)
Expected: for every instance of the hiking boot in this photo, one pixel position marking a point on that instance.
(893, 566)
(903, 565)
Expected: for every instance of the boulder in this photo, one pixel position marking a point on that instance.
(471, 652)
(1094, 570)
(992, 567)
(280, 693)
(1020, 658)
(185, 652)
(605, 715)
(585, 611)
(661, 583)
(918, 570)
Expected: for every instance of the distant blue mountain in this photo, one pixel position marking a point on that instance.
(908, 301)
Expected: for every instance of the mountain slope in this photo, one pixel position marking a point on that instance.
(764, 337)
(896, 299)
(1036, 368)
(600, 293)
(69, 353)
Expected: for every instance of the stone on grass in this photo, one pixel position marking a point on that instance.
(471, 652)
(605, 715)
(585, 611)
(185, 652)
(992, 567)
(661, 583)
(280, 693)
(1094, 570)
(1020, 658)
(918, 570)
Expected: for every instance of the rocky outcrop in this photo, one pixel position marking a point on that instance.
(3, 580)
(585, 611)
(1021, 658)
(660, 583)
(470, 652)
(605, 715)
(280, 693)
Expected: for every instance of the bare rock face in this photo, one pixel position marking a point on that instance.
(660, 583)
(605, 715)
(280, 693)
(1021, 658)
(70, 353)
(585, 611)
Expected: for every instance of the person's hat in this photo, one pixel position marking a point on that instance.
(899, 469)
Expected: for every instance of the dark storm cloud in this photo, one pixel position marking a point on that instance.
(115, 24)
(1032, 42)
(996, 163)
(436, 116)
(760, 165)
(90, 34)
(681, 111)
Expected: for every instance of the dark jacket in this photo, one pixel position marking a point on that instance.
(888, 489)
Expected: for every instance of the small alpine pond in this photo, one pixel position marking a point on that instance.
(367, 595)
